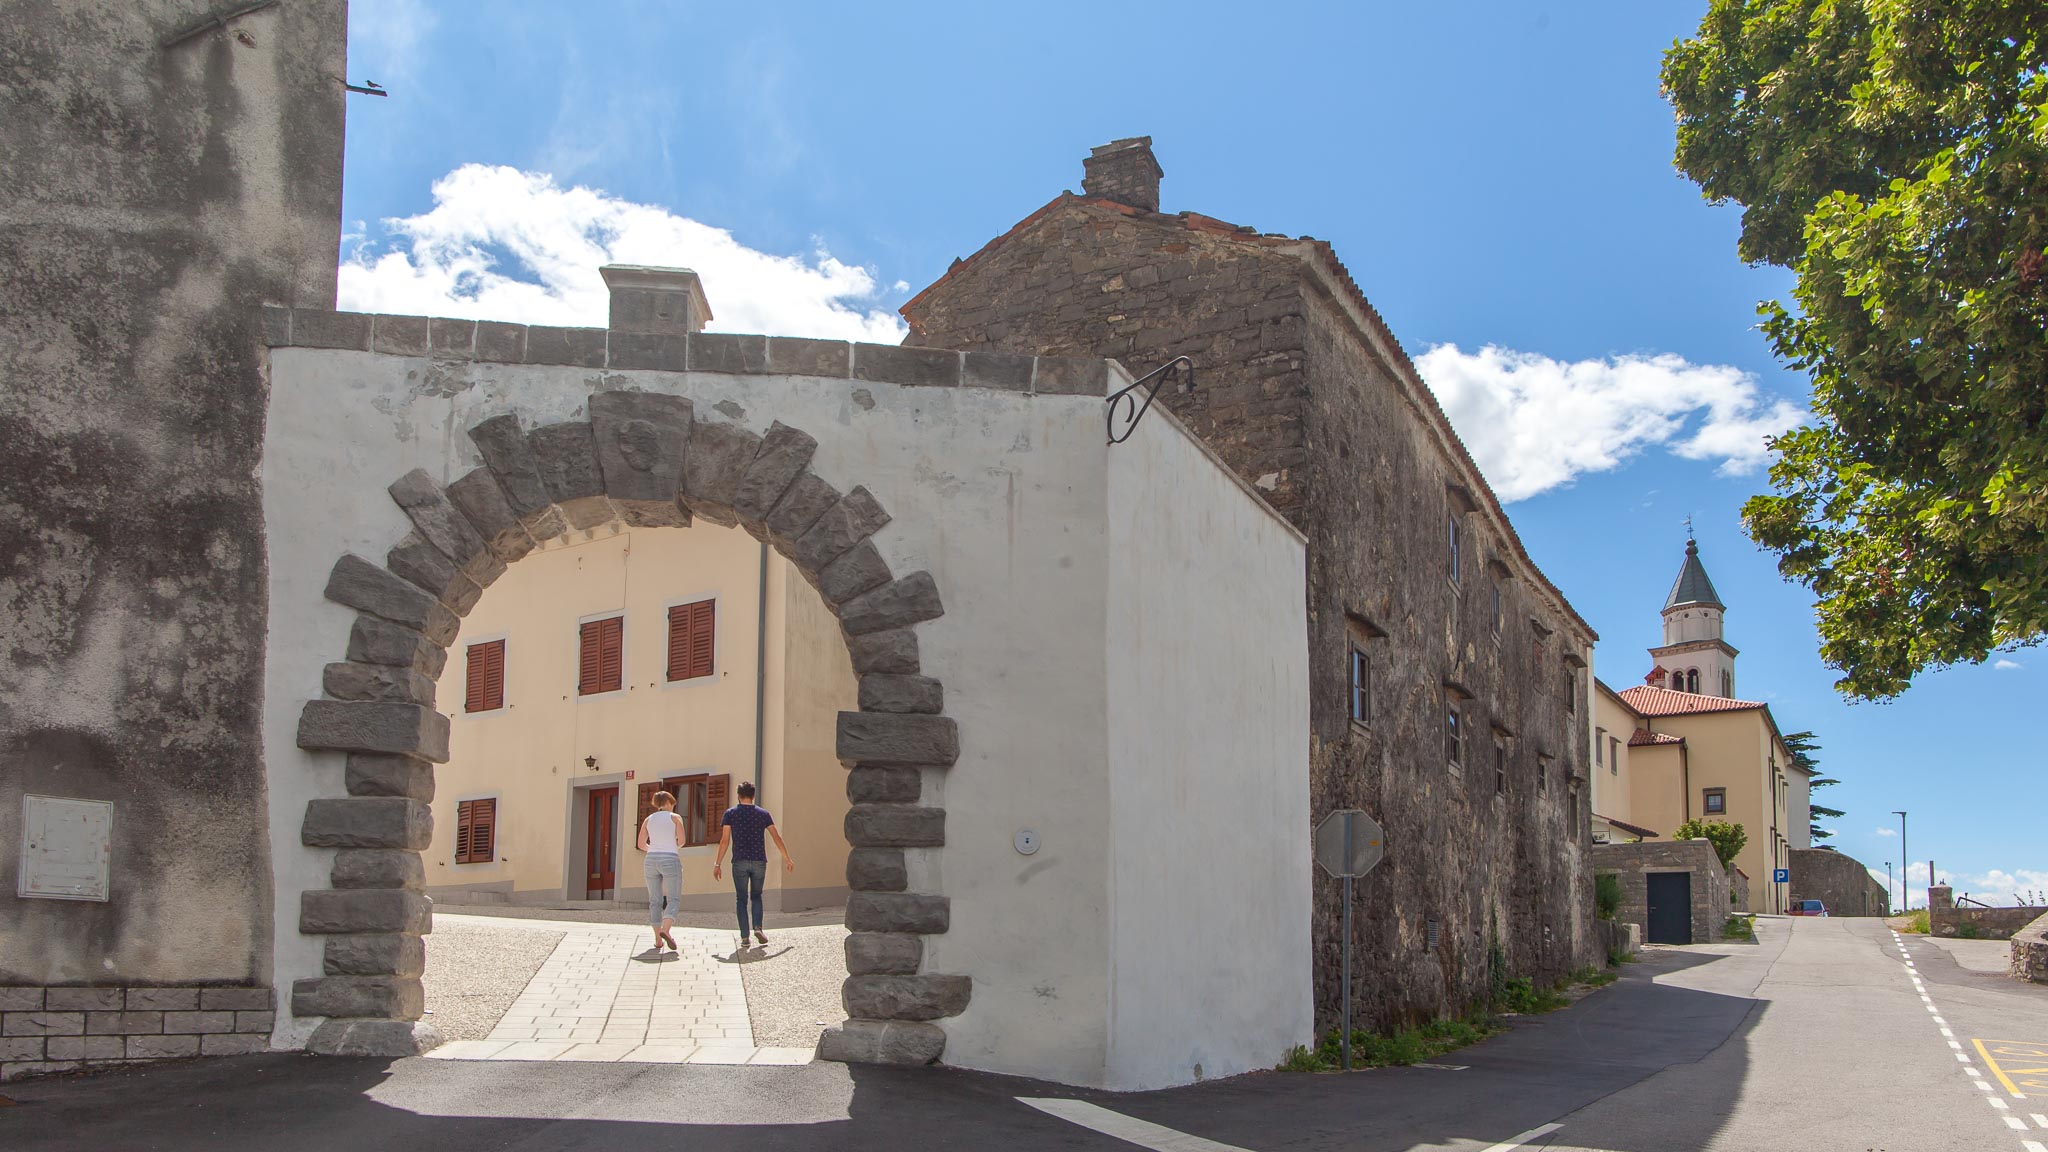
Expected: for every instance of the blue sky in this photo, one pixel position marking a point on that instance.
(1495, 174)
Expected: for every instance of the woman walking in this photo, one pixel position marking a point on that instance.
(661, 838)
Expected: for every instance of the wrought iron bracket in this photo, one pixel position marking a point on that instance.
(1126, 408)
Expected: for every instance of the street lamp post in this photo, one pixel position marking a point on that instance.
(1888, 880)
(1905, 869)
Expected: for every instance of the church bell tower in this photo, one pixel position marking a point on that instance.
(1693, 657)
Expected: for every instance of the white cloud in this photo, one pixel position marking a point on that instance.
(1887, 831)
(1533, 423)
(2007, 666)
(502, 244)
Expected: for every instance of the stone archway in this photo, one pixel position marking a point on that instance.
(644, 459)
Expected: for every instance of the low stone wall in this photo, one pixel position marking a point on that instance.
(1738, 890)
(2030, 951)
(1631, 862)
(59, 1029)
(1947, 918)
(1839, 881)
(1618, 938)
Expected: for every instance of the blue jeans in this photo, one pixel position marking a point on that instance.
(664, 887)
(748, 874)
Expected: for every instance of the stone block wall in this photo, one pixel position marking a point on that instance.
(1839, 881)
(61, 1029)
(1632, 862)
(1300, 389)
(1945, 917)
(2030, 951)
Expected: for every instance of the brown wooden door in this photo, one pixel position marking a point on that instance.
(602, 841)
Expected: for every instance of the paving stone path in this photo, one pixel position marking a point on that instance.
(603, 995)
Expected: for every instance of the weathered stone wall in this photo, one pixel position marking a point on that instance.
(1631, 862)
(151, 199)
(1837, 880)
(1291, 393)
(1945, 917)
(49, 1029)
(2030, 951)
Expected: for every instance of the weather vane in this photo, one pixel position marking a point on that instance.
(1688, 526)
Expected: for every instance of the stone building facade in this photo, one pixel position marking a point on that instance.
(1711, 897)
(1430, 629)
(166, 176)
(1838, 880)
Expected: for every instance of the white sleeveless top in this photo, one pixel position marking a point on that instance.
(661, 833)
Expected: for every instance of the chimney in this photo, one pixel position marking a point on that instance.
(1124, 171)
(665, 301)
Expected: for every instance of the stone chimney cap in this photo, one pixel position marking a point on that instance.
(1124, 171)
(645, 298)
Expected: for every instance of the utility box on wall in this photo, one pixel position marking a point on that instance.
(64, 848)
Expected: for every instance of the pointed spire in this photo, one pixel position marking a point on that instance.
(1692, 585)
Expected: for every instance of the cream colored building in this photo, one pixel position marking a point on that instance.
(1663, 756)
(610, 664)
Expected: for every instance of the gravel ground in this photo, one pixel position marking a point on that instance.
(637, 915)
(474, 973)
(793, 984)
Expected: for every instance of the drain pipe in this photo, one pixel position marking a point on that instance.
(761, 674)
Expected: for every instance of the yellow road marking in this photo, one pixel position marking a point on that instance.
(2034, 1056)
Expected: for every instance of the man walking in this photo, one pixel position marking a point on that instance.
(741, 831)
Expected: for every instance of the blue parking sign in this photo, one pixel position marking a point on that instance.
(1781, 876)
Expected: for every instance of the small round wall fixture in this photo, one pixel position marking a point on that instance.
(1026, 841)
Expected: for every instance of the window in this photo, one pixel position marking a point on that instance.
(1599, 738)
(485, 677)
(1571, 690)
(1678, 681)
(1500, 767)
(1572, 810)
(1714, 801)
(1499, 609)
(476, 831)
(692, 639)
(1543, 773)
(1727, 683)
(602, 665)
(1454, 549)
(1451, 736)
(1361, 686)
(1614, 755)
(700, 800)
(1692, 680)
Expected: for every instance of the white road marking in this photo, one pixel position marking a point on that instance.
(1962, 1057)
(1514, 1142)
(1950, 1035)
(2038, 1118)
(1981, 1084)
(1129, 1129)
(1956, 1044)
(2016, 1122)
(2033, 1146)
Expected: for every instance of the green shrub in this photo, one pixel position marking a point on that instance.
(1606, 895)
(1300, 1059)
(1521, 997)
(1739, 928)
(1372, 1050)
(1916, 921)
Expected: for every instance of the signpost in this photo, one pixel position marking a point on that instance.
(1348, 844)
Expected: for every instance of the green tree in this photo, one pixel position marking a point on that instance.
(1802, 746)
(1727, 839)
(1894, 155)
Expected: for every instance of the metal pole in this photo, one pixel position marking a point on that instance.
(1905, 862)
(1888, 886)
(1347, 968)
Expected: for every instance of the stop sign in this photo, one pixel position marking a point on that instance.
(1349, 843)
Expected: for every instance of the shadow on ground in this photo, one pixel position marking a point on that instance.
(1544, 1069)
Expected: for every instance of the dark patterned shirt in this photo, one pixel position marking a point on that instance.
(749, 824)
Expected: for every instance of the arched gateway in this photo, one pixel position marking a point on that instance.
(409, 461)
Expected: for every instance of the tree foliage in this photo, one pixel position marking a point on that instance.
(1727, 839)
(1894, 155)
(1802, 746)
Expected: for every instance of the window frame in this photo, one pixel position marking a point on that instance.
(462, 848)
(582, 622)
(1708, 796)
(1454, 735)
(502, 640)
(1500, 766)
(668, 637)
(1359, 682)
(1456, 542)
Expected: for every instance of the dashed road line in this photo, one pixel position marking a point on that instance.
(2003, 1109)
(1517, 1141)
(1129, 1129)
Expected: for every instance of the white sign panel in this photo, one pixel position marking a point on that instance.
(64, 848)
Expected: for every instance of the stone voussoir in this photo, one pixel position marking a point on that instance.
(359, 584)
(784, 454)
(929, 996)
(505, 452)
(375, 640)
(479, 496)
(353, 681)
(799, 510)
(566, 454)
(892, 651)
(374, 726)
(367, 822)
(324, 911)
(859, 570)
(889, 692)
(424, 565)
(718, 457)
(895, 826)
(900, 603)
(443, 526)
(641, 440)
(857, 516)
(897, 739)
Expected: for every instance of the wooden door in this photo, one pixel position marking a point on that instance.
(602, 841)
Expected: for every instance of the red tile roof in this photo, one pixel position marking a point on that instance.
(1644, 738)
(1631, 829)
(1321, 256)
(1664, 702)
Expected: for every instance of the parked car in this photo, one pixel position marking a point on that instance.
(1809, 908)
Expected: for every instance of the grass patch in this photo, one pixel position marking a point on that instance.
(1739, 928)
(1520, 996)
(1594, 977)
(1373, 1050)
(1914, 921)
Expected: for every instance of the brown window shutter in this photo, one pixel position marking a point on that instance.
(679, 642)
(588, 663)
(484, 689)
(483, 838)
(611, 647)
(647, 792)
(717, 798)
(463, 813)
(703, 637)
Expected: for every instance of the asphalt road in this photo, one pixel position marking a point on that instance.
(1815, 1039)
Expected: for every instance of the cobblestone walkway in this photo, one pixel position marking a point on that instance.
(603, 995)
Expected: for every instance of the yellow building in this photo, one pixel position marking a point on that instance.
(1663, 756)
(603, 668)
